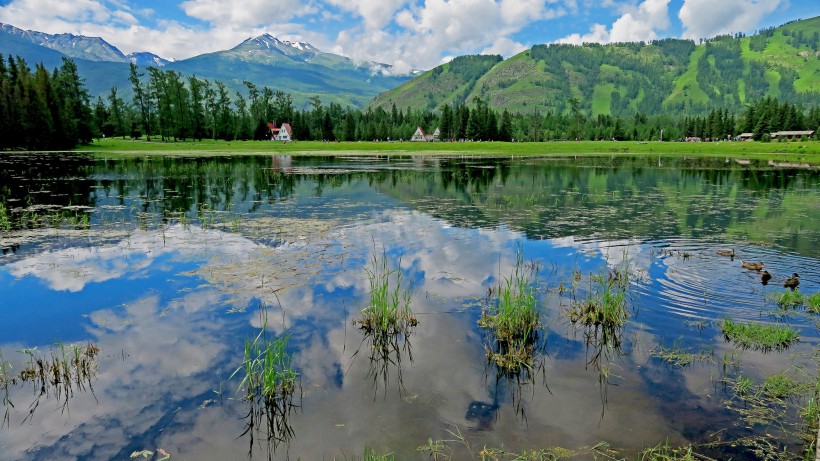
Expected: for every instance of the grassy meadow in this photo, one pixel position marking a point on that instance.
(796, 151)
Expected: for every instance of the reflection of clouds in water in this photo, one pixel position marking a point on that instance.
(614, 252)
(153, 357)
(73, 268)
(173, 348)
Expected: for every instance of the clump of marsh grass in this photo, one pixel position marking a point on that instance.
(606, 303)
(789, 299)
(782, 386)
(664, 452)
(759, 337)
(387, 320)
(269, 383)
(5, 221)
(59, 373)
(678, 357)
(513, 319)
(388, 310)
(813, 303)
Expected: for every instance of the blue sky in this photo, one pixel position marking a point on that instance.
(414, 34)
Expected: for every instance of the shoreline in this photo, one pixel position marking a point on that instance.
(794, 152)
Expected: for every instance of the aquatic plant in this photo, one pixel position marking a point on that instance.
(59, 373)
(759, 337)
(789, 299)
(677, 356)
(813, 303)
(513, 319)
(269, 382)
(5, 221)
(389, 308)
(606, 303)
(371, 455)
(663, 452)
(781, 386)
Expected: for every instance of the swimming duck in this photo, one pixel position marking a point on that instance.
(751, 266)
(730, 253)
(792, 281)
(765, 276)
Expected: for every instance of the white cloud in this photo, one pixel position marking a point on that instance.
(505, 47)
(597, 34)
(375, 14)
(248, 13)
(636, 24)
(426, 32)
(707, 18)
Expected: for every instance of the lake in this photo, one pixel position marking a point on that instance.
(170, 265)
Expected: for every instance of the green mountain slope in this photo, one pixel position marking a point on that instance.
(445, 84)
(625, 78)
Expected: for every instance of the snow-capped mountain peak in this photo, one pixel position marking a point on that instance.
(268, 41)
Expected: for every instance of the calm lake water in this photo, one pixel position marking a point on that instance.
(163, 263)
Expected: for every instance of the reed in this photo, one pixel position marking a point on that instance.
(759, 337)
(269, 383)
(607, 301)
(790, 299)
(5, 221)
(388, 310)
(813, 303)
(514, 318)
(266, 366)
(663, 452)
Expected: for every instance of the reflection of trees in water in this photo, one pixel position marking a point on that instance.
(612, 197)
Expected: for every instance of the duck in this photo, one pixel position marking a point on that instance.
(792, 282)
(751, 266)
(765, 276)
(730, 253)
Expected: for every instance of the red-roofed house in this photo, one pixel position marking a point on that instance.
(421, 136)
(285, 133)
(280, 134)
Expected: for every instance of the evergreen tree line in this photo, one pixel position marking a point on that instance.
(165, 107)
(42, 110)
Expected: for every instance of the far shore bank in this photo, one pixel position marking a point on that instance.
(805, 152)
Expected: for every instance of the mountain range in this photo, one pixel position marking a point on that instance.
(620, 79)
(623, 79)
(297, 68)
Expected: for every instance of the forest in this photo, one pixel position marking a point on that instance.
(44, 110)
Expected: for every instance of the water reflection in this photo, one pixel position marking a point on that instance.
(177, 252)
(385, 353)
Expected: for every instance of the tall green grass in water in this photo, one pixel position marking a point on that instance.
(813, 303)
(606, 303)
(388, 310)
(514, 318)
(266, 366)
(759, 337)
(269, 382)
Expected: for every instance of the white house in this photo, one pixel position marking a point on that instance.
(280, 134)
(418, 136)
(421, 136)
(285, 133)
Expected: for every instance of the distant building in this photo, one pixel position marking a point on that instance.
(418, 136)
(745, 136)
(421, 136)
(792, 134)
(285, 133)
